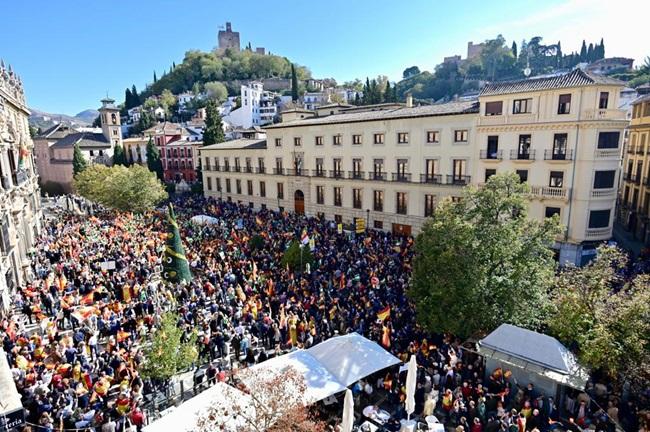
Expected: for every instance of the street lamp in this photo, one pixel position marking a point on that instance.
(367, 219)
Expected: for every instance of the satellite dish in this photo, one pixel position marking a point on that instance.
(527, 71)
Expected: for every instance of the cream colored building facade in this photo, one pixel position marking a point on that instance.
(20, 204)
(391, 164)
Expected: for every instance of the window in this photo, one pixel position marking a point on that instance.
(238, 186)
(429, 170)
(237, 164)
(297, 141)
(356, 139)
(378, 224)
(378, 200)
(433, 137)
(494, 108)
(249, 187)
(278, 166)
(319, 167)
(523, 175)
(559, 146)
(216, 163)
(280, 190)
(207, 164)
(604, 179)
(249, 167)
(227, 185)
(429, 205)
(260, 164)
(458, 169)
(356, 168)
(608, 140)
(218, 184)
(603, 101)
(209, 183)
(319, 140)
(599, 218)
(523, 149)
(402, 138)
(400, 199)
(378, 169)
(338, 219)
(402, 167)
(226, 164)
(489, 173)
(551, 211)
(262, 189)
(522, 106)
(336, 139)
(556, 179)
(356, 198)
(278, 142)
(564, 104)
(460, 135)
(492, 147)
(378, 138)
(336, 165)
(338, 198)
(320, 195)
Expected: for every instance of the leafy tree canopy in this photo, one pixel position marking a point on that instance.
(481, 261)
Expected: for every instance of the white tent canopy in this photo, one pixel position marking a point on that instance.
(331, 366)
(204, 220)
(184, 417)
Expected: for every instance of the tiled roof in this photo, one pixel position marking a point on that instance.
(166, 128)
(238, 144)
(449, 108)
(644, 98)
(575, 78)
(84, 139)
(58, 131)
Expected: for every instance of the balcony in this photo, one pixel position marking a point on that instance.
(278, 171)
(401, 177)
(631, 149)
(550, 192)
(236, 169)
(552, 155)
(431, 178)
(318, 173)
(226, 168)
(376, 175)
(604, 114)
(248, 169)
(458, 180)
(296, 172)
(491, 155)
(608, 153)
(336, 174)
(640, 150)
(603, 193)
(598, 233)
(522, 156)
(260, 170)
(356, 175)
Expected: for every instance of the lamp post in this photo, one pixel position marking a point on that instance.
(367, 219)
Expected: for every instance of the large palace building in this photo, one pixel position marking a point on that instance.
(391, 164)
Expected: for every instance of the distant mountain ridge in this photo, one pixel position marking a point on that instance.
(44, 120)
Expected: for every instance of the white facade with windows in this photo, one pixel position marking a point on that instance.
(391, 164)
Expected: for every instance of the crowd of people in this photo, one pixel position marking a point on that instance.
(96, 294)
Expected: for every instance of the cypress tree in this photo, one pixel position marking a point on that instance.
(558, 55)
(78, 161)
(357, 99)
(173, 65)
(134, 95)
(213, 132)
(153, 160)
(119, 157)
(294, 84)
(395, 93)
(175, 266)
(388, 93)
(601, 49)
(128, 99)
(590, 53)
(154, 76)
(583, 51)
(514, 49)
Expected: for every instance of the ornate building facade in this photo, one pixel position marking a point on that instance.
(20, 204)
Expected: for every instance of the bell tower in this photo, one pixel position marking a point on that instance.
(109, 116)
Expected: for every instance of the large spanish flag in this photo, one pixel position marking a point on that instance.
(384, 313)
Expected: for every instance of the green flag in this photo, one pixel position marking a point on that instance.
(175, 268)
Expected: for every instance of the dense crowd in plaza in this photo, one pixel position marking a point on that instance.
(79, 369)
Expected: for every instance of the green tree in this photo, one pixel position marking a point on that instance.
(79, 163)
(295, 254)
(513, 48)
(97, 122)
(128, 99)
(134, 95)
(605, 316)
(213, 132)
(481, 261)
(155, 78)
(388, 93)
(583, 51)
(410, 71)
(176, 268)
(134, 189)
(216, 91)
(168, 353)
(154, 162)
(119, 157)
(294, 84)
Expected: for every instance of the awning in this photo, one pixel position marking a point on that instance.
(11, 408)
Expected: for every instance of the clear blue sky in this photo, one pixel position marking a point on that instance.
(70, 53)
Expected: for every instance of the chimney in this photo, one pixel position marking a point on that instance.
(409, 100)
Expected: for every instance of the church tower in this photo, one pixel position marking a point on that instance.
(109, 116)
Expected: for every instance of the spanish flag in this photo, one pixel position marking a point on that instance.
(88, 299)
(258, 221)
(384, 313)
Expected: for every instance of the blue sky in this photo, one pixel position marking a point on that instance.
(71, 52)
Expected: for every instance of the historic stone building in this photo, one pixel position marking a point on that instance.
(228, 39)
(390, 164)
(20, 205)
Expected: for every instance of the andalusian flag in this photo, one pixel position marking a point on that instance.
(175, 267)
(384, 313)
